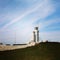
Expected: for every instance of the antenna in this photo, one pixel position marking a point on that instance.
(15, 37)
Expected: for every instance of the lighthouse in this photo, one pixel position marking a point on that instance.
(36, 35)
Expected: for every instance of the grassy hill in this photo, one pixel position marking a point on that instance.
(42, 51)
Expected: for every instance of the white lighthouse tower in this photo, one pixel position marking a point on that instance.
(36, 34)
(35, 39)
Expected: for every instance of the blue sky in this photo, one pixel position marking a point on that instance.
(19, 17)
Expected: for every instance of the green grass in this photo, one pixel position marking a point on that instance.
(42, 51)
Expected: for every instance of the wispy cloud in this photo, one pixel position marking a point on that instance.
(47, 23)
(41, 10)
(22, 23)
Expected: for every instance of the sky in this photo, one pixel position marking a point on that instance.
(19, 17)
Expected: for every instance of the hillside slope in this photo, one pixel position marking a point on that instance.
(42, 51)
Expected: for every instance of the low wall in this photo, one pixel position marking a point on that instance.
(2, 47)
(9, 47)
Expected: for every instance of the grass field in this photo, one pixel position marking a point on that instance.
(42, 51)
